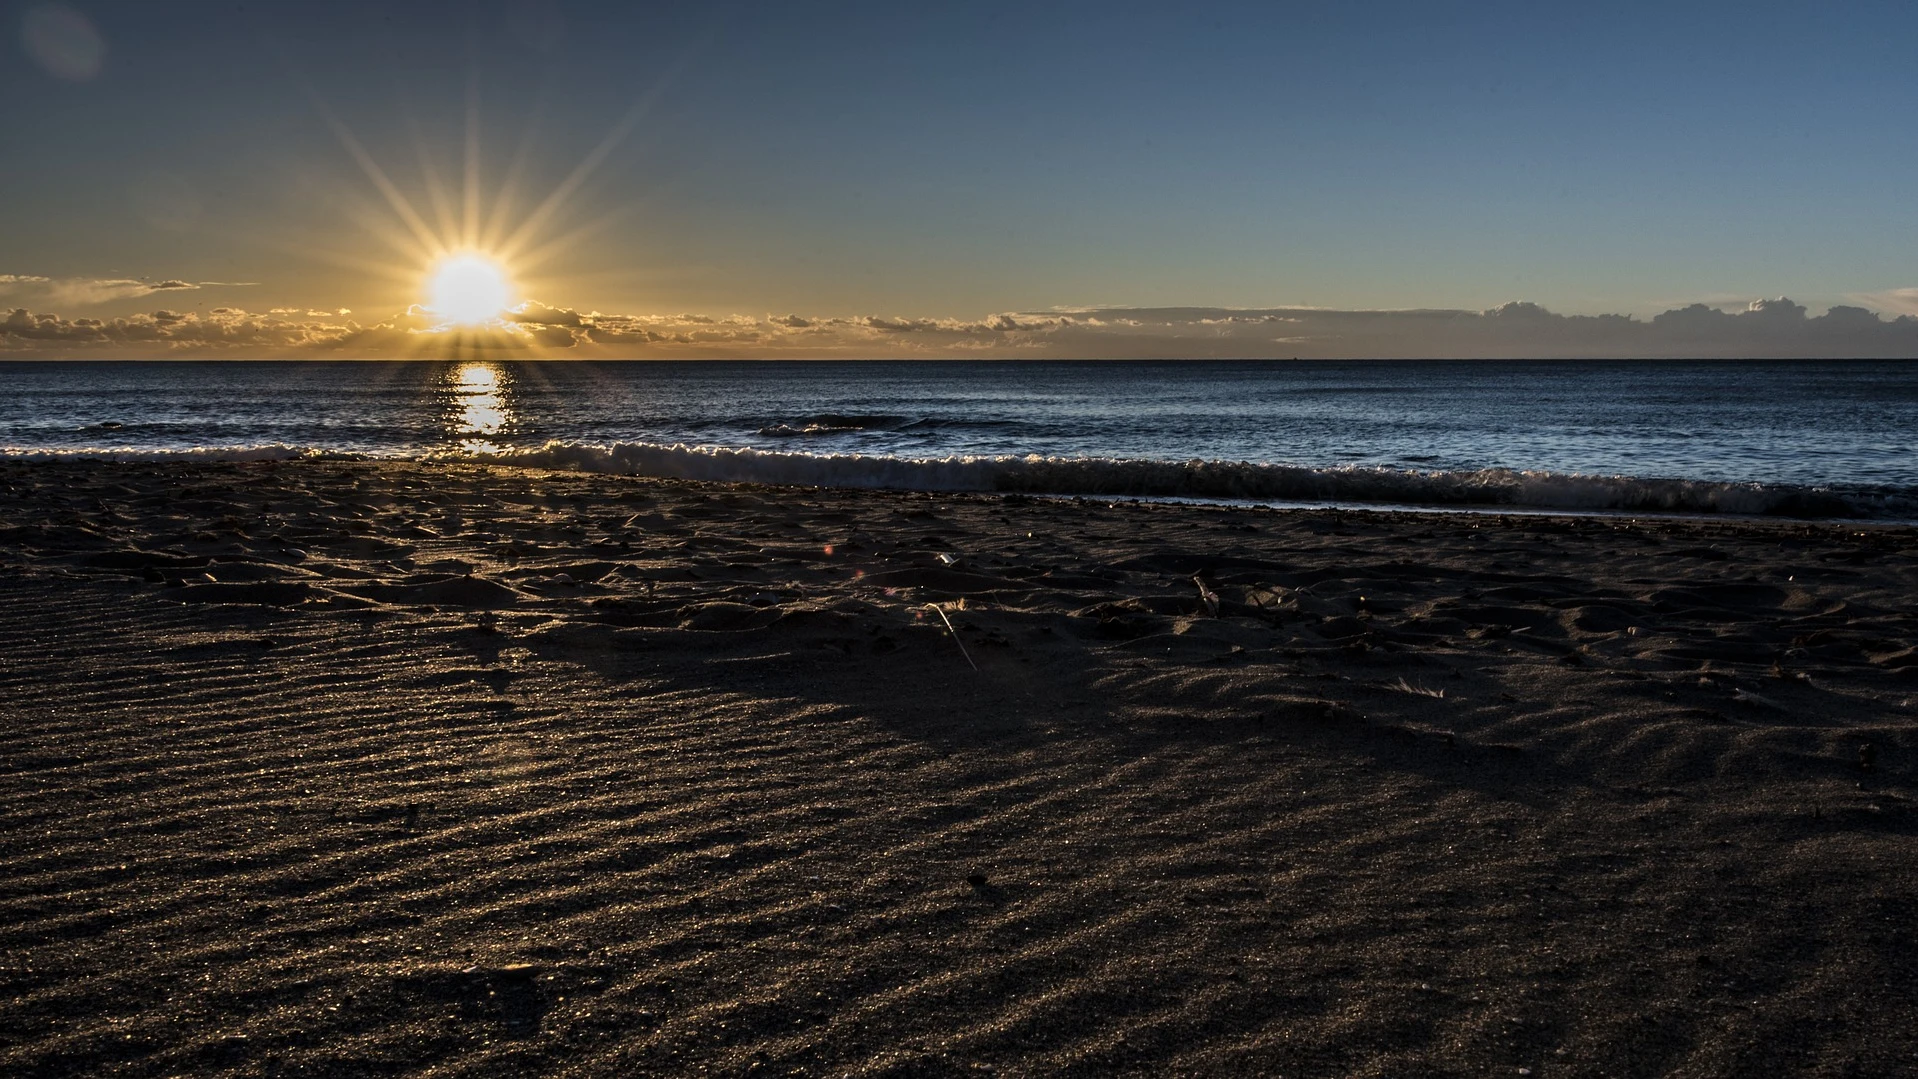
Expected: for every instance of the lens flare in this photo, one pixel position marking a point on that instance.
(468, 290)
(61, 40)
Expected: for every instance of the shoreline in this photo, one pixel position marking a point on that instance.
(350, 765)
(1225, 483)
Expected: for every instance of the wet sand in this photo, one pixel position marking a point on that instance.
(348, 768)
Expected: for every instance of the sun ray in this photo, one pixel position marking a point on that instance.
(437, 193)
(510, 183)
(593, 159)
(379, 225)
(617, 134)
(369, 218)
(343, 260)
(469, 231)
(567, 187)
(465, 245)
(537, 257)
(381, 181)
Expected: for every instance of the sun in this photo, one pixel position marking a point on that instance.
(468, 290)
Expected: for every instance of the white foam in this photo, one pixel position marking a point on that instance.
(274, 452)
(1118, 477)
(1113, 477)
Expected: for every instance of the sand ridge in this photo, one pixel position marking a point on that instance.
(351, 767)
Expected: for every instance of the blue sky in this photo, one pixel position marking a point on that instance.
(955, 161)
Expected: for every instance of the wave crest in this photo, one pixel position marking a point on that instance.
(835, 423)
(1121, 478)
(274, 452)
(1116, 477)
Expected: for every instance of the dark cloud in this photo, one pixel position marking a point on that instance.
(534, 313)
(554, 337)
(902, 325)
(1767, 328)
(164, 332)
(605, 335)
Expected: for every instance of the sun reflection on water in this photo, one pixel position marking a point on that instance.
(480, 406)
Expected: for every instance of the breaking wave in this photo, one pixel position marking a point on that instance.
(833, 423)
(1108, 477)
(836, 423)
(276, 452)
(1113, 477)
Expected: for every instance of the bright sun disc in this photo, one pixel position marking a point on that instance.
(467, 290)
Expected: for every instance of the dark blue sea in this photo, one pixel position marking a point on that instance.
(1819, 439)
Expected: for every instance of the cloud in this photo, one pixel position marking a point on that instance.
(1902, 300)
(88, 291)
(1765, 328)
(534, 313)
(164, 332)
(554, 337)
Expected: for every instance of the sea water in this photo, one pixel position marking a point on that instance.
(1803, 438)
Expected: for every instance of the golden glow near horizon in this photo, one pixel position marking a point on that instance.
(463, 250)
(468, 290)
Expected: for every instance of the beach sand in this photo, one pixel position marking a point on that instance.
(366, 768)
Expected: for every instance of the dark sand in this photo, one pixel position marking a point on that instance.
(333, 768)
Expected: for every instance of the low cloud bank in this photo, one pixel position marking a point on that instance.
(1766, 329)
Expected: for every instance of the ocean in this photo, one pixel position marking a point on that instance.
(1807, 439)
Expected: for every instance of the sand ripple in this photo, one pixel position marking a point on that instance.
(352, 768)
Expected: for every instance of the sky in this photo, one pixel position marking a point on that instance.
(980, 179)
